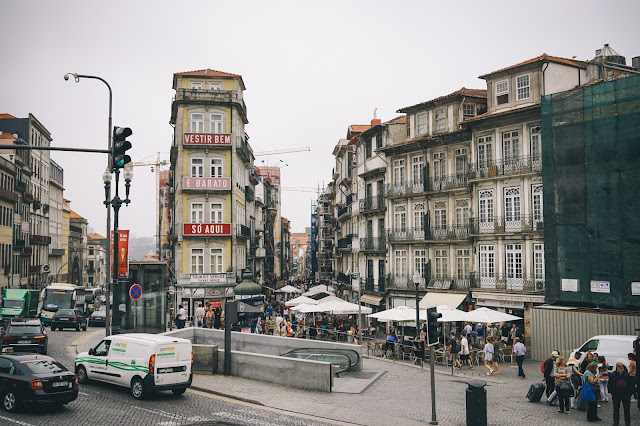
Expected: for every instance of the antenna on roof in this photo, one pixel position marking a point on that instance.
(375, 113)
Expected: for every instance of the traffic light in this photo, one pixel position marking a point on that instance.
(120, 146)
(434, 328)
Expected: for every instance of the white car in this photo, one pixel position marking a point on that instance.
(614, 348)
(143, 362)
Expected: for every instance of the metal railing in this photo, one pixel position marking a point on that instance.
(373, 244)
(244, 231)
(509, 282)
(405, 281)
(345, 243)
(408, 234)
(512, 166)
(344, 278)
(500, 225)
(404, 188)
(373, 285)
(371, 204)
(342, 211)
(453, 232)
(441, 183)
(249, 193)
(443, 282)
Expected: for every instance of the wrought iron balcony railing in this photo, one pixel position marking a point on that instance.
(345, 243)
(506, 167)
(405, 281)
(441, 183)
(249, 193)
(372, 285)
(443, 282)
(342, 211)
(507, 224)
(453, 232)
(372, 204)
(408, 234)
(404, 188)
(375, 244)
(509, 282)
(244, 231)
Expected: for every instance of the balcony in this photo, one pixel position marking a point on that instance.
(402, 235)
(260, 252)
(345, 243)
(207, 97)
(249, 193)
(20, 185)
(243, 231)
(26, 251)
(404, 189)
(509, 167)
(405, 281)
(342, 213)
(37, 204)
(449, 182)
(57, 252)
(253, 177)
(39, 240)
(373, 245)
(75, 229)
(27, 198)
(508, 225)
(11, 196)
(452, 283)
(453, 232)
(373, 286)
(344, 279)
(18, 243)
(349, 200)
(242, 148)
(374, 204)
(509, 282)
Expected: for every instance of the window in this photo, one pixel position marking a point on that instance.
(197, 213)
(462, 212)
(468, 110)
(197, 261)
(421, 123)
(513, 255)
(216, 213)
(485, 206)
(400, 218)
(417, 165)
(197, 123)
(378, 139)
(441, 123)
(485, 151)
(440, 214)
(538, 261)
(461, 161)
(215, 85)
(502, 92)
(536, 149)
(368, 144)
(536, 204)
(418, 216)
(217, 123)
(441, 263)
(511, 204)
(510, 146)
(439, 165)
(398, 172)
(522, 86)
(196, 85)
(487, 266)
(216, 167)
(419, 262)
(401, 262)
(197, 167)
(217, 261)
(463, 263)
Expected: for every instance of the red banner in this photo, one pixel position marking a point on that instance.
(215, 304)
(123, 253)
(207, 139)
(206, 229)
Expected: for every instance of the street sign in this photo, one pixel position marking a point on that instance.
(135, 291)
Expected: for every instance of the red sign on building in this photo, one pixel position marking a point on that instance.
(207, 139)
(207, 229)
(219, 184)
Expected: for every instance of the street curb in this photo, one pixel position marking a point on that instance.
(74, 344)
(226, 395)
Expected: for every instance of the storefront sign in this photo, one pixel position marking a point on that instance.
(600, 287)
(570, 285)
(209, 279)
(207, 229)
(206, 184)
(508, 297)
(215, 304)
(635, 288)
(207, 139)
(501, 303)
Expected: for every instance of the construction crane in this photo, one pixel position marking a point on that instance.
(301, 189)
(281, 151)
(155, 167)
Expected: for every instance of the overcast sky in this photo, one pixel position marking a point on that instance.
(311, 69)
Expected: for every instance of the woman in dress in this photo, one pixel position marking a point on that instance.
(489, 353)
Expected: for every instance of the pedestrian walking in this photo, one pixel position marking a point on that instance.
(199, 317)
(519, 350)
(488, 356)
(452, 346)
(549, 377)
(621, 387)
(561, 375)
(513, 333)
(480, 331)
(464, 351)
(182, 317)
(588, 394)
(496, 351)
(603, 381)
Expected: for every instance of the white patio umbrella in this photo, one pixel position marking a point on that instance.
(451, 315)
(347, 308)
(288, 289)
(399, 314)
(489, 316)
(300, 300)
(331, 298)
(318, 289)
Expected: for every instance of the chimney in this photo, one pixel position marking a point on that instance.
(635, 63)
(375, 122)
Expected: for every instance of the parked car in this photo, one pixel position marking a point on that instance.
(68, 318)
(25, 336)
(97, 319)
(614, 348)
(31, 378)
(144, 362)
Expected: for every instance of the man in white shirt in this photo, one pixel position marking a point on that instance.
(182, 317)
(464, 350)
(519, 350)
(199, 316)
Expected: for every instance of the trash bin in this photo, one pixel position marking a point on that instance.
(476, 403)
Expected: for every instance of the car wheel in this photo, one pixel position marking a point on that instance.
(9, 401)
(179, 391)
(84, 328)
(137, 388)
(81, 372)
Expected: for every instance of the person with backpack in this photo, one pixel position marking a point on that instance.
(547, 370)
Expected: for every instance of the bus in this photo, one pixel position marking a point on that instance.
(59, 296)
(92, 298)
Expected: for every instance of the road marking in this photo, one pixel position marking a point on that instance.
(75, 342)
(18, 422)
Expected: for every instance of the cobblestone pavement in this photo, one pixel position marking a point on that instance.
(103, 404)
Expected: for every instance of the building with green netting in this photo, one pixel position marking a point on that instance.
(591, 175)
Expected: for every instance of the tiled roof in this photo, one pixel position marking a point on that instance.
(95, 237)
(497, 114)
(542, 58)
(359, 128)
(5, 115)
(472, 93)
(207, 73)
(398, 120)
(74, 215)
(7, 136)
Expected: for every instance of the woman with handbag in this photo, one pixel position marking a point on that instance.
(563, 386)
(588, 394)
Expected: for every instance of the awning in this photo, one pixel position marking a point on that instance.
(434, 298)
(370, 299)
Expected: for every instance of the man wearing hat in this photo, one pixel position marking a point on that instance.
(548, 372)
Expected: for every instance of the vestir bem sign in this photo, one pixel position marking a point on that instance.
(206, 229)
(203, 183)
(207, 139)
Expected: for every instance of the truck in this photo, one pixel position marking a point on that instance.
(18, 303)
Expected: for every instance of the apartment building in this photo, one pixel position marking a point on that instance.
(77, 260)
(8, 199)
(57, 257)
(96, 260)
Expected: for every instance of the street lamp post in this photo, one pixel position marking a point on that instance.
(77, 78)
(356, 278)
(416, 281)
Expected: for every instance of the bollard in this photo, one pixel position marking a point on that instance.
(476, 403)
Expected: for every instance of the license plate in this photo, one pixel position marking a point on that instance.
(24, 342)
(59, 384)
(165, 370)
(63, 319)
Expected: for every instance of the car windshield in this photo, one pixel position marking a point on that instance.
(25, 329)
(67, 312)
(46, 365)
(12, 303)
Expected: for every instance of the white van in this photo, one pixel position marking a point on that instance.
(144, 362)
(614, 348)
